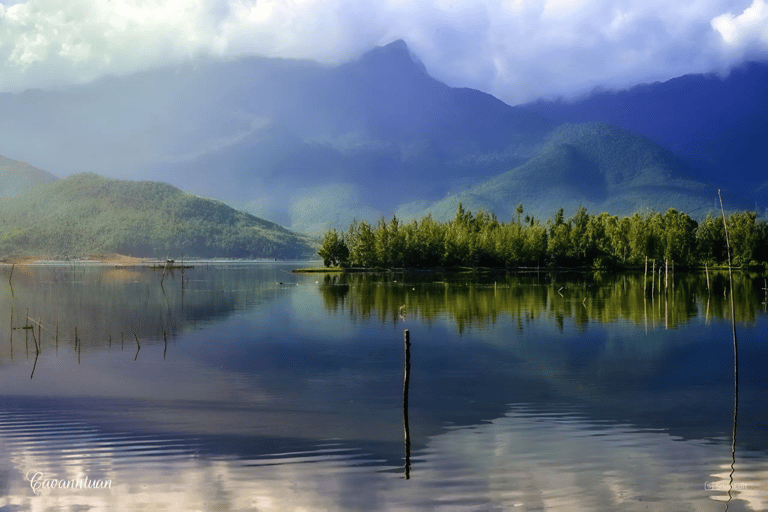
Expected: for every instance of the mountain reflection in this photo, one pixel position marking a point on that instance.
(109, 306)
(479, 300)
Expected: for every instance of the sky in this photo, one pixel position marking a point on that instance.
(517, 50)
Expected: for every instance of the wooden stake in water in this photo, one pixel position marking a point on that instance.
(706, 270)
(660, 269)
(406, 427)
(645, 275)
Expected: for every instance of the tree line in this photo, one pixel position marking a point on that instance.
(584, 240)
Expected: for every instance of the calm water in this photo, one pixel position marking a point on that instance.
(245, 387)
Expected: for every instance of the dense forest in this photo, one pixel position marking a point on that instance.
(584, 240)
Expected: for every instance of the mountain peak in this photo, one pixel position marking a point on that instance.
(394, 54)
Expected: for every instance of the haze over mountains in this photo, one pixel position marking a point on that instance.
(312, 147)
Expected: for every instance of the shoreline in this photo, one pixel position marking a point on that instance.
(121, 260)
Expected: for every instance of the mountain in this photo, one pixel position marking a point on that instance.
(715, 124)
(279, 137)
(311, 146)
(595, 165)
(87, 214)
(17, 177)
(379, 131)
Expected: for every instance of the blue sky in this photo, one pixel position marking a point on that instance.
(517, 50)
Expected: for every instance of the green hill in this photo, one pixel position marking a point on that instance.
(595, 165)
(18, 177)
(87, 214)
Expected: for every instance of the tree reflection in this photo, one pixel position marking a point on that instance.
(479, 300)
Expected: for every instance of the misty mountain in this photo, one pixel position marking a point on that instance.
(87, 214)
(311, 146)
(715, 124)
(272, 135)
(17, 177)
(595, 165)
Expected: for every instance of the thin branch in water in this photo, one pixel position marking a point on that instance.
(735, 357)
(34, 365)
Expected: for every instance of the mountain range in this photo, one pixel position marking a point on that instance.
(311, 147)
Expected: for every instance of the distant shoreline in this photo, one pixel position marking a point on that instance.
(121, 260)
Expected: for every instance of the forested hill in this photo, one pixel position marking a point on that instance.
(596, 165)
(716, 124)
(17, 177)
(86, 214)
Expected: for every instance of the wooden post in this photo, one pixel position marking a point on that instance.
(706, 270)
(660, 269)
(406, 427)
(645, 276)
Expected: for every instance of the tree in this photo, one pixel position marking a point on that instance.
(710, 240)
(743, 236)
(362, 245)
(334, 250)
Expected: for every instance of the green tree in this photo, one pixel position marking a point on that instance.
(743, 237)
(710, 240)
(334, 250)
(362, 245)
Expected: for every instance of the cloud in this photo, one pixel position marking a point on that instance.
(746, 31)
(517, 50)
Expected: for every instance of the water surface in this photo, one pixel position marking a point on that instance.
(246, 387)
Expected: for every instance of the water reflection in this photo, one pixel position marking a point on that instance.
(97, 306)
(528, 459)
(277, 392)
(479, 300)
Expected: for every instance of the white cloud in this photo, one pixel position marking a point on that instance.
(745, 31)
(515, 49)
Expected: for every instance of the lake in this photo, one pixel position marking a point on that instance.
(246, 387)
